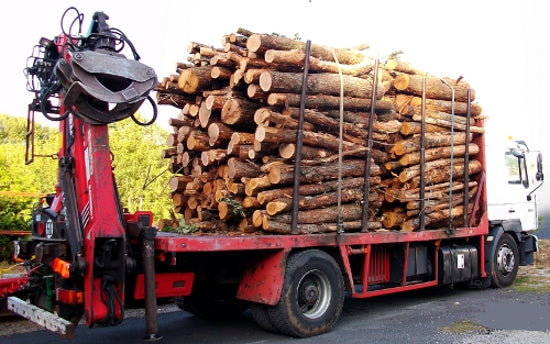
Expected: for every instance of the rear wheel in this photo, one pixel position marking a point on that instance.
(505, 262)
(261, 316)
(312, 296)
(209, 305)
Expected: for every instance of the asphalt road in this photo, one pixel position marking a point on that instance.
(415, 317)
(544, 231)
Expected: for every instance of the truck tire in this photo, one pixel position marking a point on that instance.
(261, 317)
(505, 262)
(208, 306)
(312, 295)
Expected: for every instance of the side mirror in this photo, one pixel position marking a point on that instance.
(539, 176)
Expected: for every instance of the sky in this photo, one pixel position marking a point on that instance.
(500, 47)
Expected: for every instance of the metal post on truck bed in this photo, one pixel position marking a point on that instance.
(467, 157)
(298, 160)
(451, 227)
(151, 323)
(422, 198)
(366, 184)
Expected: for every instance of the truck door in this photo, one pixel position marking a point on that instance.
(511, 193)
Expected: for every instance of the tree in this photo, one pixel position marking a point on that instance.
(137, 151)
(140, 171)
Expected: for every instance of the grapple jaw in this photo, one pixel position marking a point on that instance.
(102, 87)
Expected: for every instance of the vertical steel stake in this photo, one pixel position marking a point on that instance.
(467, 159)
(151, 323)
(366, 184)
(299, 139)
(422, 214)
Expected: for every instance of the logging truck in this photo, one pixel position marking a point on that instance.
(89, 258)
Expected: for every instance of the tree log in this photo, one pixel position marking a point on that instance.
(435, 88)
(239, 168)
(432, 140)
(321, 83)
(296, 59)
(444, 214)
(438, 191)
(443, 174)
(312, 228)
(438, 153)
(263, 42)
(218, 134)
(314, 174)
(448, 124)
(412, 128)
(324, 200)
(280, 135)
(409, 105)
(194, 79)
(325, 101)
(239, 112)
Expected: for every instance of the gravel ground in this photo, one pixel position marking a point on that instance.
(507, 337)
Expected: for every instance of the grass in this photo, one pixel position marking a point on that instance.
(532, 283)
(535, 278)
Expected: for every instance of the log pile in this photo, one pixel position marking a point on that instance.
(234, 141)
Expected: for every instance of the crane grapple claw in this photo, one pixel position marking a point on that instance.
(103, 87)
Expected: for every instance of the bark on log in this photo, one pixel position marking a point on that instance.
(348, 212)
(412, 128)
(438, 191)
(324, 200)
(321, 83)
(325, 101)
(309, 189)
(448, 124)
(296, 58)
(432, 140)
(435, 88)
(239, 112)
(263, 42)
(239, 169)
(194, 79)
(280, 135)
(310, 228)
(314, 174)
(401, 66)
(444, 214)
(440, 175)
(409, 105)
(437, 153)
(218, 134)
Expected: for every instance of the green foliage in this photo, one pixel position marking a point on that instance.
(15, 176)
(236, 207)
(14, 215)
(182, 228)
(140, 171)
(137, 151)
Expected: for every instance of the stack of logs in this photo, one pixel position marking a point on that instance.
(234, 141)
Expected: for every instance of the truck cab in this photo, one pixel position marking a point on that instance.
(514, 173)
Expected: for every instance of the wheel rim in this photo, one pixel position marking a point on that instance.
(506, 260)
(314, 293)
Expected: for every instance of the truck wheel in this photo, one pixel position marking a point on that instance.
(209, 307)
(505, 262)
(312, 296)
(261, 316)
